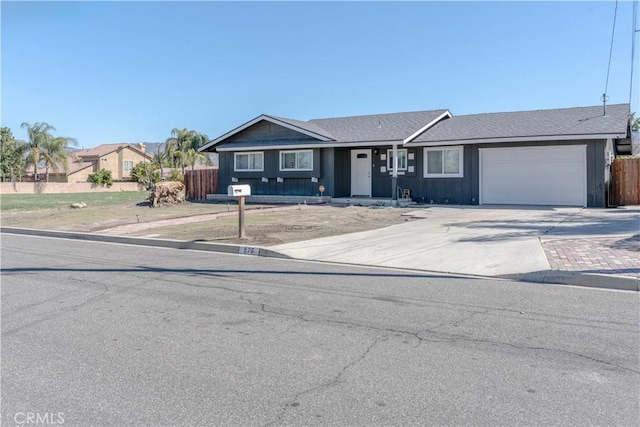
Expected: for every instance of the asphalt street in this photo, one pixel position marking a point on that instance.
(110, 334)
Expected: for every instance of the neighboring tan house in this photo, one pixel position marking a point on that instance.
(542, 157)
(118, 158)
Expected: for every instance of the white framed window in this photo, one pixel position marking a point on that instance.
(128, 165)
(402, 159)
(296, 160)
(253, 161)
(443, 162)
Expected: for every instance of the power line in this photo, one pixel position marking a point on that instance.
(606, 86)
(633, 45)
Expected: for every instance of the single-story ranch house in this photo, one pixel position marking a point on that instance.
(542, 157)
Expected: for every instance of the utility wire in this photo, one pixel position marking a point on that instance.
(613, 32)
(633, 45)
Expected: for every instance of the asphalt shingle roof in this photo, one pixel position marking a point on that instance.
(556, 122)
(575, 121)
(376, 127)
(311, 127)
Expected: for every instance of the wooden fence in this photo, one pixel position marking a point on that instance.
(200, 182)
(625, 174)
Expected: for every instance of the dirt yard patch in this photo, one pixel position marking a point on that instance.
(265, 224)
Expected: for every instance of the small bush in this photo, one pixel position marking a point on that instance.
(145, 174)
(176, 175)
(102, 177)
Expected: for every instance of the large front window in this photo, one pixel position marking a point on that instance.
(443, 162)
(128, 165)
(249, 161)
(296, 160)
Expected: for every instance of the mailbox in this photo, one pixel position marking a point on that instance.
(239, 190)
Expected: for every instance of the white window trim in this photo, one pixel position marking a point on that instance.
(247, 153)
(460, 149)
(124, 165)
(390, 157)
(295, 169)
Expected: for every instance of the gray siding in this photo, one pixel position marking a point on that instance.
(342, 172)
(596, 184)
(295, 183)
(332, 167)
(466, 190)
(266, 133)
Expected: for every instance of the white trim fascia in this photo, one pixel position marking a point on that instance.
(364, 145)
(516, 139)
(259, 119)
(427, 126)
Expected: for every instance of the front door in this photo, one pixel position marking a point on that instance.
(361, 173)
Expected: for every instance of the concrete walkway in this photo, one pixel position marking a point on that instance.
(516, 242)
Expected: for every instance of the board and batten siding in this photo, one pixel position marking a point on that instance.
(466, 190)
(265, 131)
(295, 183)
(332, 167)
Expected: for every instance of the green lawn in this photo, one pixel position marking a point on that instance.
(29, 202)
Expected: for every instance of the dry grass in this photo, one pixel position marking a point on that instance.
(265, 225)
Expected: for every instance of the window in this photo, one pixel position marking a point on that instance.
(443, 162)
(128, 165)
(248, 161)
(402, 160)
(296, 160)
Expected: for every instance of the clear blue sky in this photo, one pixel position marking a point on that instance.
(106, 72)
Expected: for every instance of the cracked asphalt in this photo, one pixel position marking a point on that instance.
(117, 335)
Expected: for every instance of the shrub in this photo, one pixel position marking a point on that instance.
(176, 175)
(145, 174)
(102, 177)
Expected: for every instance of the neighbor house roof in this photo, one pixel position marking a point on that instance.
(562, 123)
(104, 149)
(72, 167)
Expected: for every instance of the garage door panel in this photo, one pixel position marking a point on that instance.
(533, 175)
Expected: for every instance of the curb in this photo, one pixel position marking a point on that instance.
(146, 241)
(575, 278)
(551, 277)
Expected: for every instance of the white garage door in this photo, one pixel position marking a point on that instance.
(534, 175)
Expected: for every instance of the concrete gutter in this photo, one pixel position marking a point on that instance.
(590, 280)
(145, 241)
(555, 277)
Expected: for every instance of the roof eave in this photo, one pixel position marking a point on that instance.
(328, 144)
(540, 138)
(259, 119)
(420, 131)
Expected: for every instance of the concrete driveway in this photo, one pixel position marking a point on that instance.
(479, 240)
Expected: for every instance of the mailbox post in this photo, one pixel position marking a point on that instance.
(239, 191)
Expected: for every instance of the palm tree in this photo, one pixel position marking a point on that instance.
(192, 156)
(38, 134)
(180, 142)
(54, 153)
(44, 146)
(159, 158)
